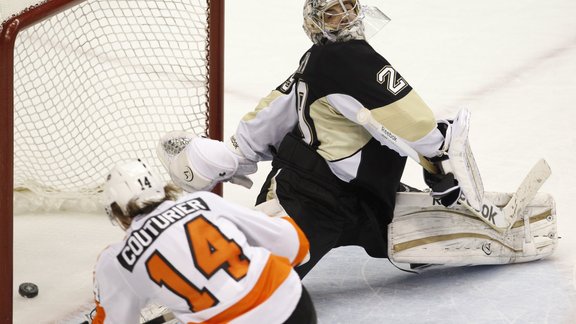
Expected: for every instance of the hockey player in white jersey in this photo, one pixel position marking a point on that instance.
(335, 178)
(207, 260)
(338, 175)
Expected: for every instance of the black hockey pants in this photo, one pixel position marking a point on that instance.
(330, 212)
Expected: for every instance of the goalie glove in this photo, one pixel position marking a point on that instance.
(444, 187)
(196, 163)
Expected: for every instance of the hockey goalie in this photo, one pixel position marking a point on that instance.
(338, 132)
(503, 228)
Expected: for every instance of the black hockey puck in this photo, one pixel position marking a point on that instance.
(28, 290)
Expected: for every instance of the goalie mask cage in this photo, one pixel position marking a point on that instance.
(87, 83)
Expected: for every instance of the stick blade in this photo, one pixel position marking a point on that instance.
(533, 181)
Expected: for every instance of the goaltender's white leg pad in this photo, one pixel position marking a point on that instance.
(423, 231)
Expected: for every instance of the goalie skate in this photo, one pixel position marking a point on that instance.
(425, 232)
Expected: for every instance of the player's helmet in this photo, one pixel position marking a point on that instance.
(333, 20)
(131, 182)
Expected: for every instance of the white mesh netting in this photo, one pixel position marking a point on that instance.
(101, 82)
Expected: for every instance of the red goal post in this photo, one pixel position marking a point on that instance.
(84, 83)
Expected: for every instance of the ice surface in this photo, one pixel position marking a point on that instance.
(513, 64)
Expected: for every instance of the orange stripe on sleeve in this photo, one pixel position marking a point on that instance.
(304, 244)
(275, 272)
(100, 315)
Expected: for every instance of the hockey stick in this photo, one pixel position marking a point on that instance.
(501, 219)
(147, 316)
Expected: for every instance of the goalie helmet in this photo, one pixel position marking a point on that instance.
(333, 20)
(131, 182)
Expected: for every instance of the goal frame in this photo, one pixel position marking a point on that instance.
(10, 29)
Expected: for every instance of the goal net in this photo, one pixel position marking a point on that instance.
(101, 82)
(87, 83)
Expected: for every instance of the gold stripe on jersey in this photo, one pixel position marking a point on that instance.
(409, 117)
(339, 137)
(264, 103)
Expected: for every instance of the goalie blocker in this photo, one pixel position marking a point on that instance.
(199, 164)
(424, 231)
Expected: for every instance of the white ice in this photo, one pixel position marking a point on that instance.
(512, 63)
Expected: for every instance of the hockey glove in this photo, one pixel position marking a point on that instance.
(444, 186)
(197, 163)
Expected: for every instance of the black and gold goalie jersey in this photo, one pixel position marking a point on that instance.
(319, 103)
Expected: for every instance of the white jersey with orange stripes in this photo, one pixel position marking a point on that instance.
(206, 259)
